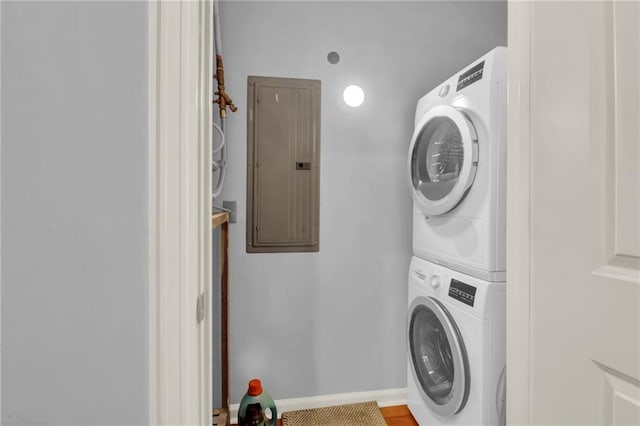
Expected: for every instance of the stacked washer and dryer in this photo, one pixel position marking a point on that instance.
(456, 321)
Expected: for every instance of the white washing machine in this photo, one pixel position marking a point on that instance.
(456, 347)
(457, 170)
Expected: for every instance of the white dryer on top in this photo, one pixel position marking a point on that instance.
(457, 170)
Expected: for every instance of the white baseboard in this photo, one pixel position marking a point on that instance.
(384, 398)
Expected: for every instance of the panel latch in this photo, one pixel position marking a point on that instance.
(303, 166)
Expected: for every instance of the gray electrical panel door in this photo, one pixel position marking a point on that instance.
(283, 165)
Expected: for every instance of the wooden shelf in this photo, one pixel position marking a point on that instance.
(220, 417)
(221, 220)
(218, 219)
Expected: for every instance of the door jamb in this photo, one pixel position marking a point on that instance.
(519, 280)
(179, 212)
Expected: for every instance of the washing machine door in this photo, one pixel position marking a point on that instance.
(438, 357)
(443, 158)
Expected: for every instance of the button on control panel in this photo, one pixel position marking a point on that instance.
(435, 281)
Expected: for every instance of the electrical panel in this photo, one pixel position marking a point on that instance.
(283, 165)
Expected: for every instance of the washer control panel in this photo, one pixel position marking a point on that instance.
(462, 292)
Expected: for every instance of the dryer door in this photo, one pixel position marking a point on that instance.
(438, 357)
(443, 158)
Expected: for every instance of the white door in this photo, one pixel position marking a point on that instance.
(573, 265)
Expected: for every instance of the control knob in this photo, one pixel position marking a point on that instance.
(435, 281)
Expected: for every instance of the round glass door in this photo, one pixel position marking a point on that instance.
(442, 159)
(438, 357)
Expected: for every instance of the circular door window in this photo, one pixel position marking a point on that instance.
(442, 159)
(438, 357)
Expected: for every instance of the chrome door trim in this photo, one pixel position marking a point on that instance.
(461, 377)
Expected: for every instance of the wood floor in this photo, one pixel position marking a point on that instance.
(398, 415)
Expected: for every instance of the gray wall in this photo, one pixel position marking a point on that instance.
(74, 208)
(314, 324)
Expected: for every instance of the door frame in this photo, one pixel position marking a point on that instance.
(518, 319)
(179, 212)
(176, 181)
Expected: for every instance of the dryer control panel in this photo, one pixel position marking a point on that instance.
(465, 293)
(470, 76)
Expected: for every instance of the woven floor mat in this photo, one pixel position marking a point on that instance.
(361, 414)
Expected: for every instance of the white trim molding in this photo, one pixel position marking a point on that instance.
(0, 229)
(518, 213)
(179, 66)
(384, 398)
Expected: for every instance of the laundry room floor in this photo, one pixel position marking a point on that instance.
(397, 415)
